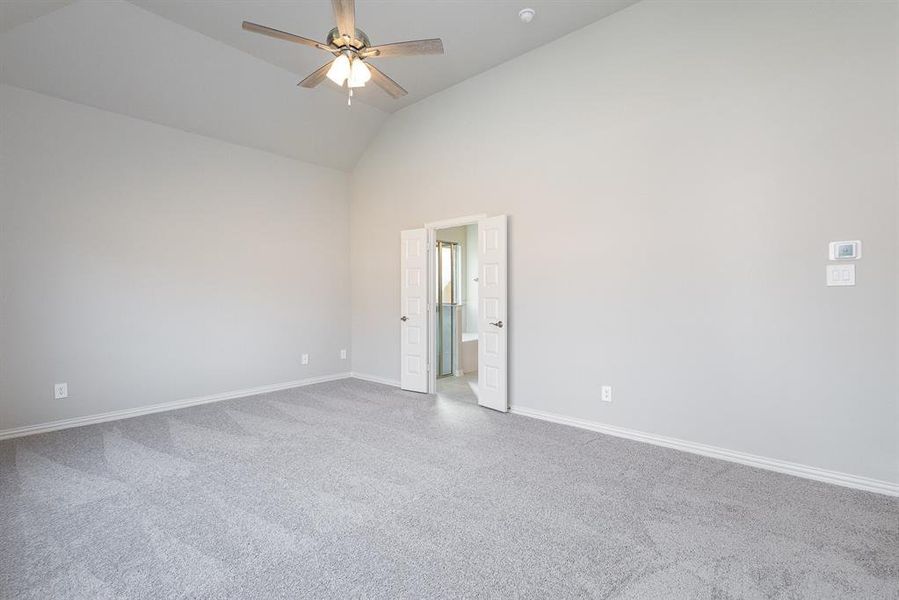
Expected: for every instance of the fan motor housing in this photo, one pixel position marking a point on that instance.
(359, 42)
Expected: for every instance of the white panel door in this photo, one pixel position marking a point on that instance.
(492, 317)
(414, 310)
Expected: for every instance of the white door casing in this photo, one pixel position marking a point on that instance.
(414, 310)
(492, 315)
(432, 229)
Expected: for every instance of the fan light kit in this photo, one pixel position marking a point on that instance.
(351, 49)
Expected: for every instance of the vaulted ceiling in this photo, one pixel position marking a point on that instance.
(16, 12)
(189, 64)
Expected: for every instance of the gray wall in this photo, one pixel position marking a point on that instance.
(673, 175)
(141, 264)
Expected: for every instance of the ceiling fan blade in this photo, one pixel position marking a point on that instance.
(413, 48)
(386, 83)
(317, 76)
(283, 35)
(345, 13)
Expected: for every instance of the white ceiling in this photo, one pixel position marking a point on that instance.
(16, 12)
(115, 56)
(477, 34)
(188, 64)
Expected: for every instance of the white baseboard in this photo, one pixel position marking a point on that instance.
(796, 469)
(799, 470)
(165, 406)
(375, 379)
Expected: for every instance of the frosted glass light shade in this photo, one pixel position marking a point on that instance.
(359, 74)
(340, 69)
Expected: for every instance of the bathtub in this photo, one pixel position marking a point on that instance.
(469, 353)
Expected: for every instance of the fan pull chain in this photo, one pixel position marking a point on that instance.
(349, 97)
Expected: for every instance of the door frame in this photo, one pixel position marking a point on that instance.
(431, 229)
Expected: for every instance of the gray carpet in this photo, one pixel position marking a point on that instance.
(357, 490)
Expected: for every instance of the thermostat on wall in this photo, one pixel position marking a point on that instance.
(845, 250)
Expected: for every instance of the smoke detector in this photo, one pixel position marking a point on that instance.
(526, 15)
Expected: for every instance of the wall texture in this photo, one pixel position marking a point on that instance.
(673, 174)
(141, 264)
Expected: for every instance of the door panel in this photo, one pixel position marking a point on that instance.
(493, 319)
(413, 307)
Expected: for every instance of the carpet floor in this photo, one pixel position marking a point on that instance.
(352, 489)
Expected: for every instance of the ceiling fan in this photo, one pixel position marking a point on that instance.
(352, 48)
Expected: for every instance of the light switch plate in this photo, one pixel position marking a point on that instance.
(840, 275)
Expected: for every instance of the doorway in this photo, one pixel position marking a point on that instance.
(456, 303)
(432, 296)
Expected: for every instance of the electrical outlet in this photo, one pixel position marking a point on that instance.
(343, 355)
(60, 390)
(304, 359)
(606, 393)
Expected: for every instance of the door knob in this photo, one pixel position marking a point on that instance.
(404, 318)
(498, 324)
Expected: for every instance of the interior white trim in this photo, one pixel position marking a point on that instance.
(834, 477)
(165, 406)
(375, 379)
(761, 462)
(455, 222)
